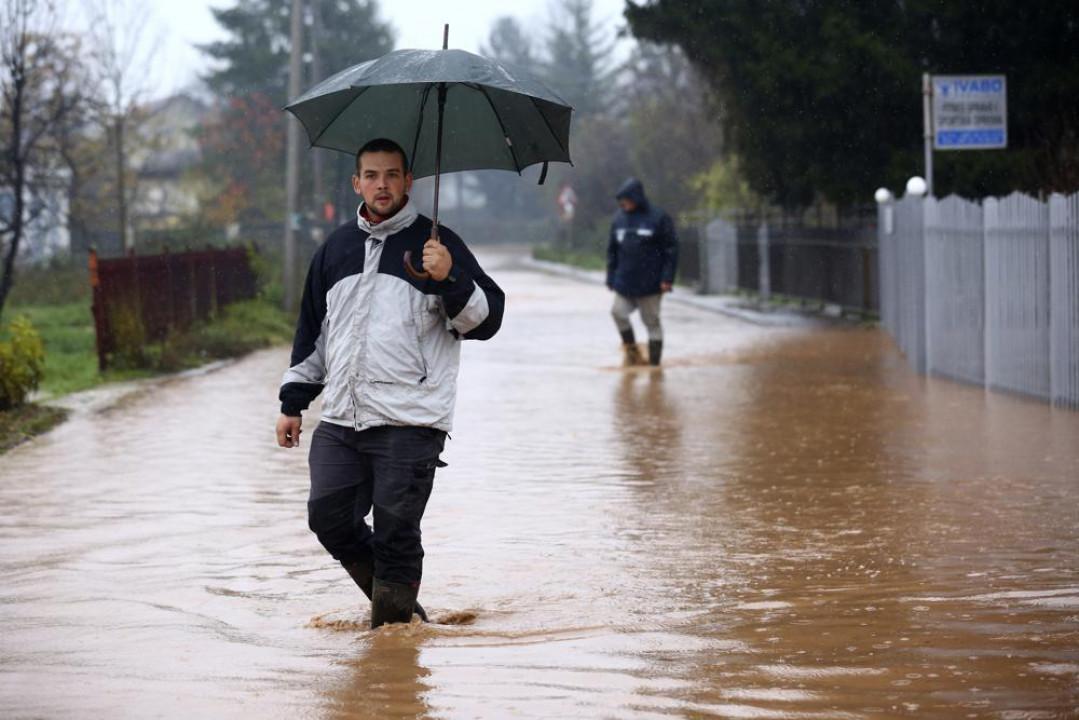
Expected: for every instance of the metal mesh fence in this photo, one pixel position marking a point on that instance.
(779, 256)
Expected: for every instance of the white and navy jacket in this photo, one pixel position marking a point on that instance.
(382, 347)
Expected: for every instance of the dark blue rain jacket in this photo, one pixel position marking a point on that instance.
(642, 251)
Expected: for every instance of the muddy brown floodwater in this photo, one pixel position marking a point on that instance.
(783, 523)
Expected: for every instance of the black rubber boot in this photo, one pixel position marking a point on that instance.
(392, 602)
(363, 574)
(631, 354)
(655, 351)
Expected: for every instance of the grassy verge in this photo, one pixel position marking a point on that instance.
(71, 365)
(241, 328)
(586, 259)
(25, 422)
(67, 331)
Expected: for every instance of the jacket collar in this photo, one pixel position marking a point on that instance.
(380, 231)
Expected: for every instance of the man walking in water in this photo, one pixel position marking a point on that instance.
(642, 256)
(383, 346)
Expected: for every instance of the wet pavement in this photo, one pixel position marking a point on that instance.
(782, 523)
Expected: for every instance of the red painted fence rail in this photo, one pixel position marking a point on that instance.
(151, 295)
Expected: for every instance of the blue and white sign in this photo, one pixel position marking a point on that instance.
(970, 112)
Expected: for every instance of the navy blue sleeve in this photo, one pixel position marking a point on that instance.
(612, 255)
(304, 379)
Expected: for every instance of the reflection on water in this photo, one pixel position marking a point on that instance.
(778, 524)
(384, 679)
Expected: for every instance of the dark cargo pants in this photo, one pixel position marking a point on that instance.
(388, 468)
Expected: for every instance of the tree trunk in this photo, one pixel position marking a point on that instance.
(18, 187)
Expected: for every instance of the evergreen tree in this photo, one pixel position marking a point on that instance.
(578, 64)
(252, 78)
(254, 58)
(824, 97)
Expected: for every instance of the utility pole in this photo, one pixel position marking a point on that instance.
(927, 130)
(292, 160)
(317, 155)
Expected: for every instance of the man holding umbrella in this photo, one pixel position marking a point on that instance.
(381, 341)
(379, 337)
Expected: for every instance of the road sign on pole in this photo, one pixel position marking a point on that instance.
(970, 112)
(567, 203)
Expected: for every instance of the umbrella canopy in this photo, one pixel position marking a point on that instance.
(496, 116)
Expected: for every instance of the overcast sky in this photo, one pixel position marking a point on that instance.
(179, 26)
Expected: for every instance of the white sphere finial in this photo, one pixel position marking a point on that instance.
(916, 186)
(882, 195)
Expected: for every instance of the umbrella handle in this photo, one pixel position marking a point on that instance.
(415, 274)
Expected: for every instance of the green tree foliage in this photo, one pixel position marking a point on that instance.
(508, 43)
(506, 196)
(723, 187)
(242, 147)
(673, 124)
(22, 363)
(824, 97)
(251, 82)
(578, 63)
(254, 58)
(651, 116)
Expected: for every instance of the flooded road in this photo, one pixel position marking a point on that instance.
(783, 523)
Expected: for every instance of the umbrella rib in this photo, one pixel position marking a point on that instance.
(548, 124)
(419, 123)
(509, 143)
(339, 113)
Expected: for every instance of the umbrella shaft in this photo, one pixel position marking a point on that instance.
(438, 149)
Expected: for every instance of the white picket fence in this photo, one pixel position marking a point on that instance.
(985, 293)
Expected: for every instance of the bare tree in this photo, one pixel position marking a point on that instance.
(40, 96)
(123, 61)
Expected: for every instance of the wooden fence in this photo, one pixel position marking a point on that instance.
(139, 299)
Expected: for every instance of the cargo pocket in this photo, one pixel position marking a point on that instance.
(421, 482)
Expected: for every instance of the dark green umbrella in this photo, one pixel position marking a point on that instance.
(450, 110)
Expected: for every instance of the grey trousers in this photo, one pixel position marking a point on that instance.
(649, 307)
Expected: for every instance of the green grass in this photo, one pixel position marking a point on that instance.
(241, 328)
(23, 423)
(60, 283)
(589, 260)
(67, 331)
(71, 364)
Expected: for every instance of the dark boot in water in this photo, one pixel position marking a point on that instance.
(362, 573)
(631, 354)
(392, 602)
(655, 351)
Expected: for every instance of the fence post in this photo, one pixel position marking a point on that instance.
(98, 310)
(885, 262)
(704, 257)
(764, 276)
(1017, 295)
(1064, 300)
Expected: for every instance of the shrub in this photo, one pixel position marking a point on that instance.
(22, 363)
(128, 337)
